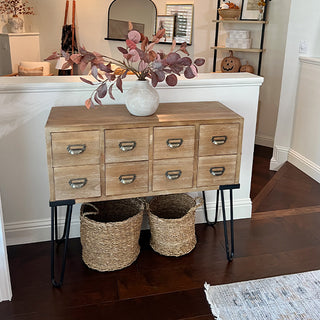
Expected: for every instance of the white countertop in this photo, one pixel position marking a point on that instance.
(73, 83)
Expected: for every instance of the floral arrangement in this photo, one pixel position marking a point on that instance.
(261, 4)
(144, 62)
(229, 5)
(16, 7)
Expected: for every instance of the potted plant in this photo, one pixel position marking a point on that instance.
(139, 58)
(15, 8)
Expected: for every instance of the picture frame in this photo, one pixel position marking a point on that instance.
(250, 10)
(166, 22)
(183, 14)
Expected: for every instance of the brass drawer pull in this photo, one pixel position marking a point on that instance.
(174, 143)
(127, 178)
(78, 183)
(127, 145)
(218, 140)
(76, 148)
(217, 171)
(173, 174)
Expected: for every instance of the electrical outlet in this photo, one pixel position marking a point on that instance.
(303, 46)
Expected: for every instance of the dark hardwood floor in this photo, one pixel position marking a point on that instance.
(282, 238)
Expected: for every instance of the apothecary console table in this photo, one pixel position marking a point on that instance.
(106, 154)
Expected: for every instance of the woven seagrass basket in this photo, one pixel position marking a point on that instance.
(229, 14)
(109, 233)
(172, 224)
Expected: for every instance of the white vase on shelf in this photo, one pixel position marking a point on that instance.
(15, 24)
(142, 99)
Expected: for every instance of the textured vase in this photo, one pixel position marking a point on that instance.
(15, 24)
(142, 99)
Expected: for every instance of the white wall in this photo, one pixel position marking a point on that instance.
(303, 25)
(91, 26)
(272, 65)
(304, 151)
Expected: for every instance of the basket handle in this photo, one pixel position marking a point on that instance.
(200, 202)
(90, 205)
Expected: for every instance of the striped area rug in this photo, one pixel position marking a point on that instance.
(289, 297)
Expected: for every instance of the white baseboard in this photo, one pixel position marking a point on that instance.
(36, 231)
(242, 209)
(280, 156)
(308, 167)
(40, 230)
(265, 141)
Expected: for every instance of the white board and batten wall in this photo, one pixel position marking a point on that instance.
(24, 107)
(304, 152)
(302, 41)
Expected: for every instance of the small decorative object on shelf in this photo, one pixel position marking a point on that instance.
(229, 11)
(261, 4)
(16, 7)
(230, 64)
(247, 68)
(144, 62)
(239, 39)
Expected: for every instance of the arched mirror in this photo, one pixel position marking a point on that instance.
(142, 14)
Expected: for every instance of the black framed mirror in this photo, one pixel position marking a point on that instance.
(141, 13)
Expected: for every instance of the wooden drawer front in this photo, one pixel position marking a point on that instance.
(126, 145)
(126, 178)
(77, 182)
(173, 142)
(217, 170)
(218, 139)
(75, 148)
(172, 174)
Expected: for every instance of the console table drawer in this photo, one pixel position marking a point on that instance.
(172, 174)
(75, 148)
(126, 145)
(77, 182)
(216, 170)
(218, 139)
(127, 178)
(173, 142)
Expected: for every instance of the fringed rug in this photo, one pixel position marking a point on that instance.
(289, 297)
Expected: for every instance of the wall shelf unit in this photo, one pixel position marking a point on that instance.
(260, 29)
(238, 49)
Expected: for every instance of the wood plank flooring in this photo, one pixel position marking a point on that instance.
(279, 239)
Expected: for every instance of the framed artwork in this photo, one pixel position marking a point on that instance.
(183, 14)
(251, 10)
(167, 23)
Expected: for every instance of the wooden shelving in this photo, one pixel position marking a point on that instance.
(260, 27)
(257, 50)
(241, 21)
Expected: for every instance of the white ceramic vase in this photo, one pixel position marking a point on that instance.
(142, 99)
(15, 24)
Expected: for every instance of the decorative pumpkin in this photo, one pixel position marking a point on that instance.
(247, 68)
(230, 64)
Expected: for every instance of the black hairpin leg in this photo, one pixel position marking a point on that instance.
(230, 253)
(210, 223)
(64, 238)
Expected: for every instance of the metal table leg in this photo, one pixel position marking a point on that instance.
(64, 239)
(230, 254)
